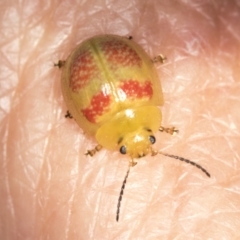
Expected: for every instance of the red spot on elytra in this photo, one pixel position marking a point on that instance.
(99, 104)
(136, 89)
(82, 71)
(119, 53)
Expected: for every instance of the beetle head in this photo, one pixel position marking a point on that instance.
(137, 144)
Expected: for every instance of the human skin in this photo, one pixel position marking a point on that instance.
(51, 190)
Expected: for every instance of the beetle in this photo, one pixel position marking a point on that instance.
(112, 90)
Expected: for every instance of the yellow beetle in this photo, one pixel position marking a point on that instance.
(113, 92)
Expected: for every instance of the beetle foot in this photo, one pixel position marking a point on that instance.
(154, 152)
(68, 115)
(160, 58)
(59, 64)
(93, 151)
(171, 130)
(132, 163)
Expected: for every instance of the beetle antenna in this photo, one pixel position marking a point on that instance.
(121, 194)
(187, 161)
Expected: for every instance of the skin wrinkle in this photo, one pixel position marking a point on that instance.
(10, 204)
(50, 190)
(229, 29)
(39, 182)
(68, 224)
(5, 168)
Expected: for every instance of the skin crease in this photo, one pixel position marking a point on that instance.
(50, 190)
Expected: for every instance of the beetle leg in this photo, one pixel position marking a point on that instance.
(160, 58)
(59, 64)
(93, 151)
(170, 130)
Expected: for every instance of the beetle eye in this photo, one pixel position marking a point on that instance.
(152, 139)
(123, 150)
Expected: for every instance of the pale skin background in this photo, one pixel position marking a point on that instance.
(50, 190)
